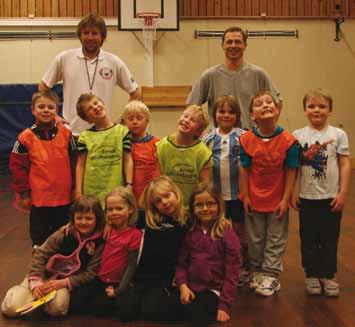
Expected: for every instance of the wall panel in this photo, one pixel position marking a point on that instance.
(39, 8)
(187, 8)
(278, 7)
(47, 7)
(7, 8)
(24, 8)
(16, 8)
(270, 8)
(352, 8)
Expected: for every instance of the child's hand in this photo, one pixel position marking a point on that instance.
(77, 194)
(248, 208)
(186, 295)
(66, 229)
(295, 201)
(281, 209)
(338, 203)
(226, 223)
(53, 285)
(222, 316)
(47, 287)
(37, 292)
(110, 291)
(107, 231)
(22, 202)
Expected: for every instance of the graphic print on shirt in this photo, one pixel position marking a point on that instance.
(315, 156)
(106, 72)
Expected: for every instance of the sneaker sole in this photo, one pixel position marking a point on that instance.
(314, 292)
(267, 292)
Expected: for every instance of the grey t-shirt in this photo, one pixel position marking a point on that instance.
(243, 83)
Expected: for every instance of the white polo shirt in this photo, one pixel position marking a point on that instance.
(69, 66)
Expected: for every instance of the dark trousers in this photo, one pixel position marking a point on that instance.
(148, 303)
(319, 232)
(92, 299)
(202, 310)
(46, 220)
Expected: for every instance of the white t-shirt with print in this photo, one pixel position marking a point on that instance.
(319, 172)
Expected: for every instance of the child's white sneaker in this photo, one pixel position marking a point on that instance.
(313, 286)
(256, 279)
(330, 286)
(269, 286)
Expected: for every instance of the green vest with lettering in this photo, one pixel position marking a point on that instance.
(104, 162)
(183, 164)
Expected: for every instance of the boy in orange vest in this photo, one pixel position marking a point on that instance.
(143, 150)
(41, 168)
(269, 157)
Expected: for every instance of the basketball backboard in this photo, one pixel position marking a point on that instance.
(167, 9)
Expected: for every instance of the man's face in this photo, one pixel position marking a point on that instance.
(91, 40)
(234, 45)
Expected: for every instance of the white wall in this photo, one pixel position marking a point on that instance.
(295, 65)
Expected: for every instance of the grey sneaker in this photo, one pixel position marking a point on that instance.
(313, 286)
(269, 286)
(256, 279)
(330, 287)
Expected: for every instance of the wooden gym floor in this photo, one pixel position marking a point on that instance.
(291, 307)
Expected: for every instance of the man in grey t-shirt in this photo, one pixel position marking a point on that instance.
(235, 77)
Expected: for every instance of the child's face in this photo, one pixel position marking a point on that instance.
(85, 222)
(264, 108)
(205, 209)
(44, 111)
(137, 123)
(118, 212)
(166, 202)
(94, 110)
(317, 111)
(189, 123)
(226, 118)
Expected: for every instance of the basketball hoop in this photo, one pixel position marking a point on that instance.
(149, 23)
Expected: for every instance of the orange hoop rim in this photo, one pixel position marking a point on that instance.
(148, 14)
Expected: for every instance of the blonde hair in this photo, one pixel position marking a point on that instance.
(318, 93)
(202, 115)
(136, 106)
(128, 196)
(221, 223)
(159, 185)
(82, 101)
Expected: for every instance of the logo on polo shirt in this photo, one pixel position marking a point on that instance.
(106, 73)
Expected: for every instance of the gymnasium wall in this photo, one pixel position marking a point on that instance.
(295, 65)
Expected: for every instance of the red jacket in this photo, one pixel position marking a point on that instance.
(44, 169)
